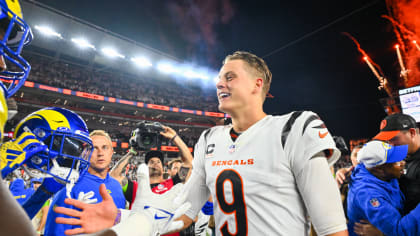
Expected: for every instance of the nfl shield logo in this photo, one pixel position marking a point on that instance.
(232, 148)
(374, 202)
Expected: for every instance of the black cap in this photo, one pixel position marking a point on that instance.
(152, 154)
(393, 124)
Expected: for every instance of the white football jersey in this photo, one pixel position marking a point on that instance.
(252, 179)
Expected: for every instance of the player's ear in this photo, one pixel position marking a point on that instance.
(259, 82)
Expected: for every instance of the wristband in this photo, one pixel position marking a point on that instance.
(118, 218)
(132, 151)
(173, 138)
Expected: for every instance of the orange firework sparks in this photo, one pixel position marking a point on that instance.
(364, 54)
(417, 46)
(404, 71)
(375, 68)
(405, 17)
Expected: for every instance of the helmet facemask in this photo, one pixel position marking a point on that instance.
(14, 34)
(67, 157)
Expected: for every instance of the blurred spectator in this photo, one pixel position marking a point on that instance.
(342, 175)
(174, 166)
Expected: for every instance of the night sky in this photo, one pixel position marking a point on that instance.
(315, 67)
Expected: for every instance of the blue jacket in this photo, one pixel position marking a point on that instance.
(17, 188)
(381, 203)
(48, 188)
(87, 183)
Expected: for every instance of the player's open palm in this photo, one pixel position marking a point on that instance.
(92, 217)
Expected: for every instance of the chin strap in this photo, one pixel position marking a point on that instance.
(58, 171)
(63, 172)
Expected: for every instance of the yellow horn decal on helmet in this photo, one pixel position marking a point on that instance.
(54, 119)
(14, 6)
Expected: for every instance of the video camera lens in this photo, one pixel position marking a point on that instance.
(146, 135)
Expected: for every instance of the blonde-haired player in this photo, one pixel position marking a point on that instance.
(265, 173)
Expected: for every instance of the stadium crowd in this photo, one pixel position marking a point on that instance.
(124, 86)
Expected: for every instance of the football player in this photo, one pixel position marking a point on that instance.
(265, 173)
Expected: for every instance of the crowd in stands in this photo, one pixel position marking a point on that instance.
(124, 86)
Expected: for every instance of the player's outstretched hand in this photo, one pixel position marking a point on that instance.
(14, 153)
(154, 214)
(342, 174)
(92, 217)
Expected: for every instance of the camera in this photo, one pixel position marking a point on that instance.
(146, 135)
(341, 145)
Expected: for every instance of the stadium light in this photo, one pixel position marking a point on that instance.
(166, 68)
(82, 43)
(141, 61)
(192, 74)
(203, 76)
(47, 31)
(110, 52)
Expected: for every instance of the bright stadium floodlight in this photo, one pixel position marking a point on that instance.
(203, 76)
(166, 68)
(141, 61)
(82, 43)
(191, 74)
(195, 73)
(110, 52)
(47, 31)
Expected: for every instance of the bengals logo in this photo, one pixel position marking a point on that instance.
(383, 124)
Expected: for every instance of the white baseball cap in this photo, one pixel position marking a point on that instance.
(375, 153)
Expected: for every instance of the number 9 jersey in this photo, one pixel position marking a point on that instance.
(259, 182)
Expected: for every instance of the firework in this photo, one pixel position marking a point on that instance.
(404, 71)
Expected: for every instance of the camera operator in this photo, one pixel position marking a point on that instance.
(155, 161)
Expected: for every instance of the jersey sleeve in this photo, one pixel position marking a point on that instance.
(198, 192)
(321, 196)
(305, 135)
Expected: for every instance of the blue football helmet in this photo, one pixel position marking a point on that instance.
(68, 141)
(16, 34)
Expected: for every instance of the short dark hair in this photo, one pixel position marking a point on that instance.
(151, 154)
